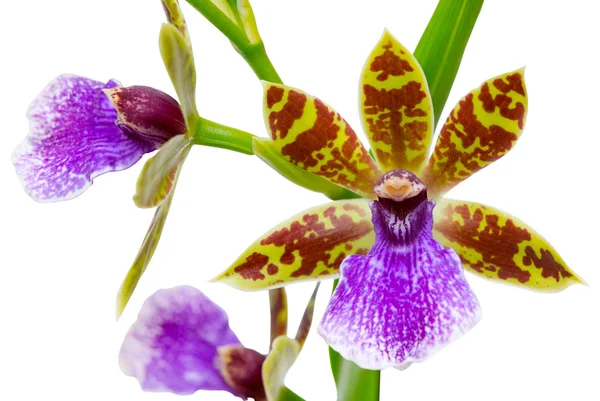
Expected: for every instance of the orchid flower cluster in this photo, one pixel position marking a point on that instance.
(398, 246)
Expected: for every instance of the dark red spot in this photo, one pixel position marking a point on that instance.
(389, 64)
(250, 269)
(311, 249)
(274, 95)
(390, 107)
(550, 267)
(282, 121)
(502, 102)
(482, 233)
(515, 83)
(272, 269)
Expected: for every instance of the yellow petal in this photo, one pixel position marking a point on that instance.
(309, 246)
(496, 245)
(482, 128)
(310, 134)
(396, 107)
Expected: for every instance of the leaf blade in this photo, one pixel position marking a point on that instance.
(447, 34)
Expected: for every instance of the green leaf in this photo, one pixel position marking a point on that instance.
(353, 383)
(442, 45)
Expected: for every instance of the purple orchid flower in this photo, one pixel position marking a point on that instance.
(182, 343)
(81, 128)
(408, 297)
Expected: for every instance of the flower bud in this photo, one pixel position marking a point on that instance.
(146, 113)
(241, 369)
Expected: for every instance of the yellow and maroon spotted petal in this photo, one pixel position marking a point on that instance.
(160, 173)
(496, 245)
(312, 135)
(482, 128)
(309, 246)
(396, 107)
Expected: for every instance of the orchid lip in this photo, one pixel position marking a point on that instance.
(408, 297)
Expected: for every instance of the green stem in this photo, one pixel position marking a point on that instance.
(210, 133)
(257, 58)
(221, 21)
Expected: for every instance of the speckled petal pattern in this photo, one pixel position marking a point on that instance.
(172, 347)
(72, 139)
(403, 301)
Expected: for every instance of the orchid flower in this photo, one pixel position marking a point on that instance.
(78, 133)
(402, 294)
(81, 128)
(182, 343)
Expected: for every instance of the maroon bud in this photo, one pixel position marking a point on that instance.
(242, 370)
(147, 113)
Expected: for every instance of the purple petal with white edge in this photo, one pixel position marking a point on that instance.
(172, 347)
(72, 139)
(403, 301)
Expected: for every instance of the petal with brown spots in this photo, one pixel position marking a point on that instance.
(309, 246)
(313, 136)
(396, 107)
(496, 245)
(483, 127)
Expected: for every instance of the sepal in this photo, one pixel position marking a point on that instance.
(159, 175)
(144, 255)
(267, 151)
(284, 353)
(309, 246)
(495, 245)
(483, 127)
(396, 108)
(179, 62)
(310, 134)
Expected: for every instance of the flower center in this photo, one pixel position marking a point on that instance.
(400, 192)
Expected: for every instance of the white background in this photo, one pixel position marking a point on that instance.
(61, 264)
